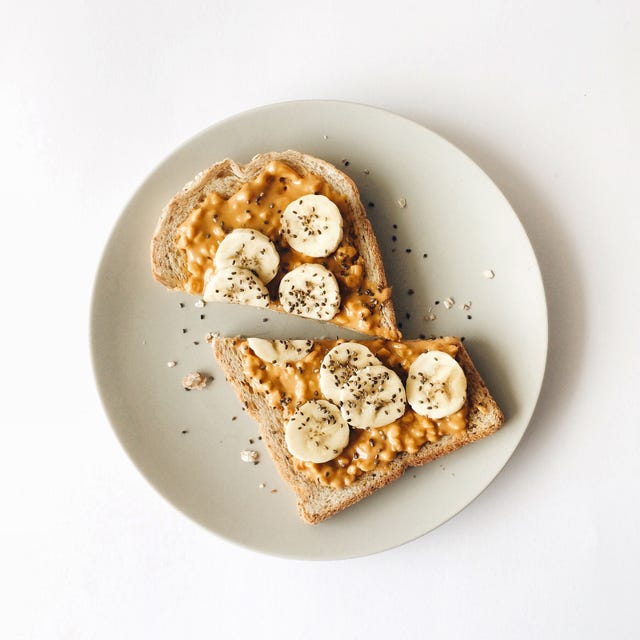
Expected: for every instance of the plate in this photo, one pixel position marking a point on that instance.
(456, 227)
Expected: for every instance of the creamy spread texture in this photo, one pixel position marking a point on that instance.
(259, 204)
(290, 385)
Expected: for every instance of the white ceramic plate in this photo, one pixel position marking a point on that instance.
(454, 214)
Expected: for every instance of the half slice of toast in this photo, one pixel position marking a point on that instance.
(230, 196)
(373, 457)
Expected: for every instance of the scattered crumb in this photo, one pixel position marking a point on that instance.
(326, 137)
(262, 485)
(171, 364)
(366, 172)
(249, 455)
(274, 491)
(196, 342)
(449, 302)
(402, 203)
(195, 381)
(466, 306)
(430, 316)
(200, 303)
(211, 335)
(345, 162)
(489, 273)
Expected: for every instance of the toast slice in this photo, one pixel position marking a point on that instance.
(271, 392)
(230, 196)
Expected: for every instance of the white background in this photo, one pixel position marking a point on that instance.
(544, 96)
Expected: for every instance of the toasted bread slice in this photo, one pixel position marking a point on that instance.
(366, 304)
(270, 394)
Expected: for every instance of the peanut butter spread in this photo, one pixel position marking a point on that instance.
(368, 449)
(258, 204)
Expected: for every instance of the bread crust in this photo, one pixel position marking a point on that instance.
(318, 502)
(169, 264)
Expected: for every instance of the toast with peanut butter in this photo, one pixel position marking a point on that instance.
(342, 419)
(287, 231)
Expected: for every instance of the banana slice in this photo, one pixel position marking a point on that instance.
(312, 225)
(236, 285)
(436, 385)
(340, 364)
(316, 432)
(280, 351)
(372, 397)
(249, 249)
(310, 290)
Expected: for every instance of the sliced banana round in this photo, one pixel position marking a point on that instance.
(236, 285)
(310, 290)
(249, 249)
(340, 364)
(316, 432)
(312, 225)
(372, 397)
(280, 351)
(436, 385)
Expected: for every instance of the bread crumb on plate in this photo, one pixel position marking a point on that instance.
(195, 381)
(249, 455)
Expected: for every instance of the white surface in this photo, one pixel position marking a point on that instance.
(137, 326)
(544, 97)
